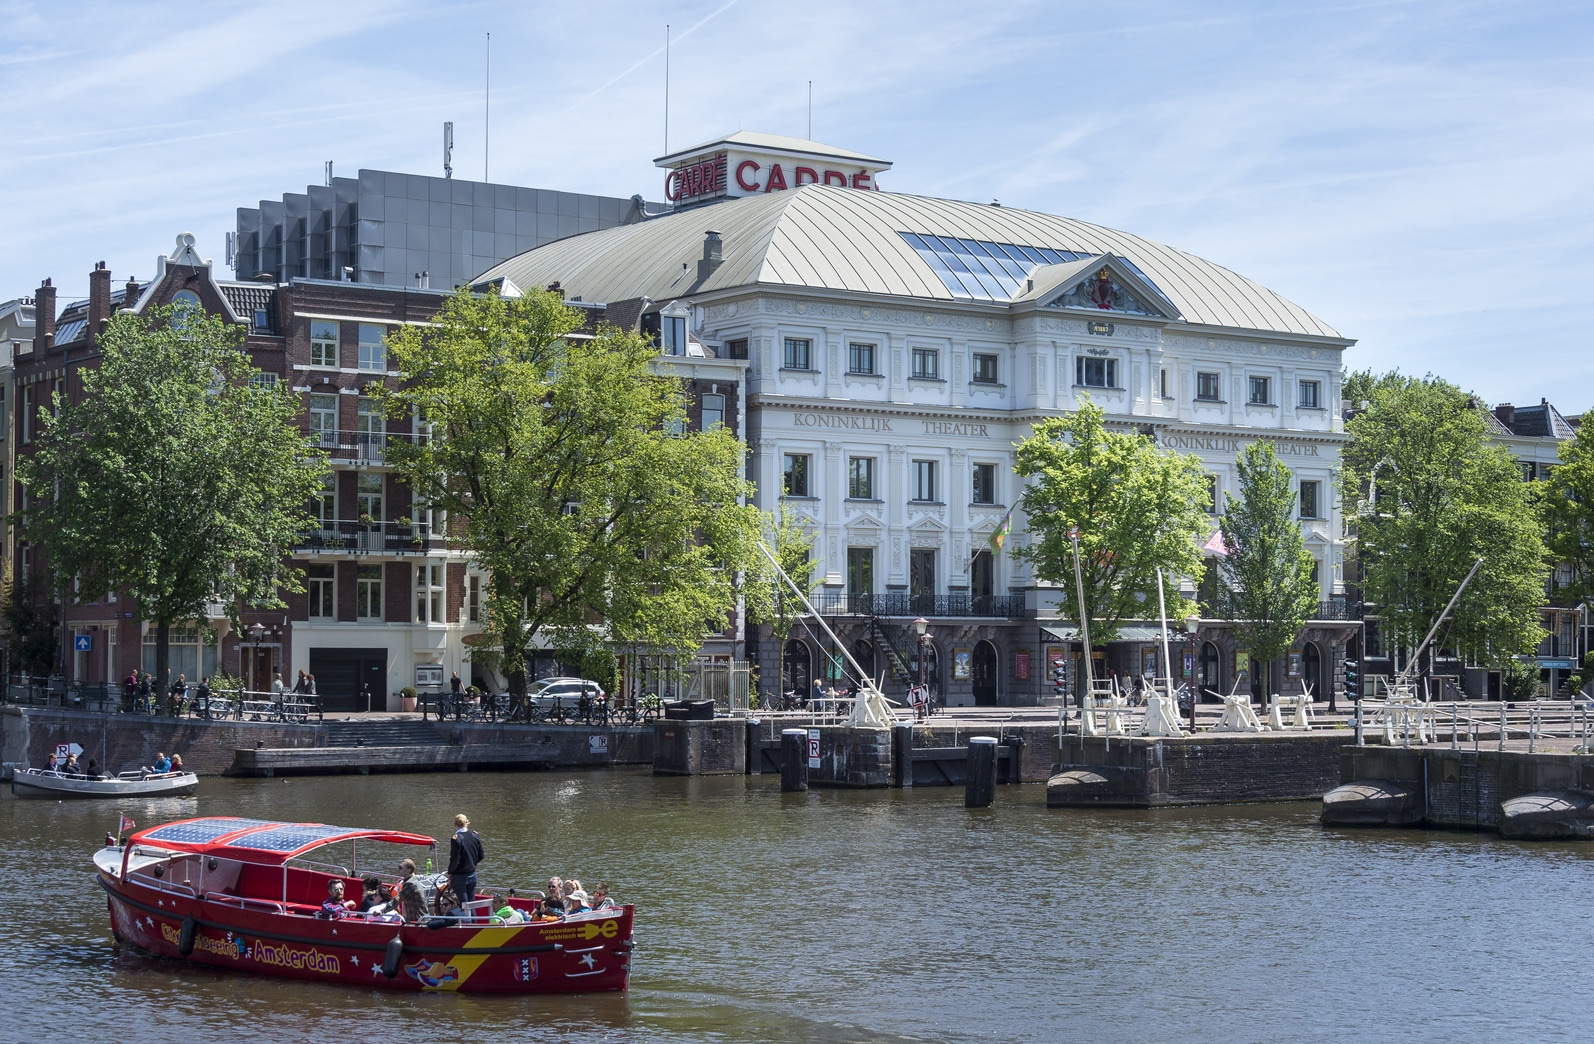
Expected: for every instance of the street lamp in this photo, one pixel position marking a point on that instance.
(920, 627)
(1192, 624)
(256, 631)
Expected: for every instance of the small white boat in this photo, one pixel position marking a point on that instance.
(33, 782)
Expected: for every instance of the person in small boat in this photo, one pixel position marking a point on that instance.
(162, 764)
(465, 853)
(551, 908)
(411, 896)
(54, 764)
(575, 899)
(556, 888)
(94, 769)
(336, 906)
(374, 898)
(177, 763)
(600, 897)
(72, 768)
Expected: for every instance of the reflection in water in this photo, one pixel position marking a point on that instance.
(834, 915)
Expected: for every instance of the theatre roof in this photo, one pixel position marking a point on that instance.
(888, 243)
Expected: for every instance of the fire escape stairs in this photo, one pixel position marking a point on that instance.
(886, 639)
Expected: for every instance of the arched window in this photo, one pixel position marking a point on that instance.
(798, 667)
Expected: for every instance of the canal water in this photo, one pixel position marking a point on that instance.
(862, 916)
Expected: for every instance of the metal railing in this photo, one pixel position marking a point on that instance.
(355, 446)
(344, 534)
(900, 604)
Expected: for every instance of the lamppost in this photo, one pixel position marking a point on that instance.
(256, 631)
(1192, 624)
(921, 627)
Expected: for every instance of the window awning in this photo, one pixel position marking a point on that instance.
(1129, 632)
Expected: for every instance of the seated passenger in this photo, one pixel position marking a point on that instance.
(336, 906)
(556, 888)
(551, 909)
(411, 896)
(94, 769)
(601, 899)
(177, 763)
(72, 768)
(162, 764)
(575, 898)
(374, 898)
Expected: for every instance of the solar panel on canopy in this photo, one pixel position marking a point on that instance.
(288, 836)
(200, 831)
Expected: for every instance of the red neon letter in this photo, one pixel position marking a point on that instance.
(741, 169)
(841, 179)
(860, 180)
(777, 179)
(813, 175)
(669, 187)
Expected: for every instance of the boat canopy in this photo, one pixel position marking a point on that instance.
(260, 840)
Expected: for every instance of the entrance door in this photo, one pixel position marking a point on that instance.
(921, 580)
(985, 672)
(798, 667)
(1211, 669)
(1312, 669)
(341, 675)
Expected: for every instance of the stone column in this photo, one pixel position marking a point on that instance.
(895, 494)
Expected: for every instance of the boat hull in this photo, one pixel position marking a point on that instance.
(39, 784)
(577, 955)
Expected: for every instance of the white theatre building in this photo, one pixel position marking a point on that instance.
(899, 346)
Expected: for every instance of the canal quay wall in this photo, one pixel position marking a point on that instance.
(1466, 789)
(125, 742)
(1211, 768)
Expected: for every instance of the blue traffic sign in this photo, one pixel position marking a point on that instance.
(83, 642)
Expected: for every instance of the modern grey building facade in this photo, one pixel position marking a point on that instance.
(396, 229)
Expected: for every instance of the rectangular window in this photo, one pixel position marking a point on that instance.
(324, 419)
(1091, 372)
(263, 379)
(323, 343)
(1208, 387)
(326, 502)
(1260, 388)
(672, 334)
(860, 570)
(28, 411)
(428, 593)
(322, 583)
(736, 349)
(1162, 384)
(1212, 495)
(799, 353)
(373, 350)
(860, 358)
(368, 592)
(921, 572)
(370, 500)
(797, 474)
(370, 427)
(985, 483)
(1311, 395)
(984, 368)
(1310, 506)
(924, 480)
(473, 599)
(713, 411)
(926, 363)
(860, 478)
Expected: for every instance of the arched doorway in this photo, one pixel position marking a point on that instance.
(798, 667)
(863, 652)
(1312, 669)
(985, 674)
(932, 666)
(1211, 669)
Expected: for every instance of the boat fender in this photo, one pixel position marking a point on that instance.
(394, 956)
(185, 938)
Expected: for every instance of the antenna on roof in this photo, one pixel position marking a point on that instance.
(448, 148)
(666, 88)
(810, 110)
(329, 172)
(487, 110)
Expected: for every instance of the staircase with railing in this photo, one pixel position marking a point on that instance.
(886, 639)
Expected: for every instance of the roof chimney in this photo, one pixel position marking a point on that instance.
(99, 298)
(130, 296)
(44, 317)
(712, 259)
(1506, 414)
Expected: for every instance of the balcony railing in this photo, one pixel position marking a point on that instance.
(1339, 608)
(364, 447)
(389, 538)
(838, 604)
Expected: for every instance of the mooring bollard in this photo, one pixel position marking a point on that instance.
(794, 759)
(980, 789)
(902, 754)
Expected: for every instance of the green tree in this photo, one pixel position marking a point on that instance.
(1569, 514)
(1267, 571)
(566, 468)
(1138, 508)
(769, 600)
(177, 480)
(30, 630)
(1429, 495)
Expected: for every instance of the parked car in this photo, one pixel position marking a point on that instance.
(542, 692)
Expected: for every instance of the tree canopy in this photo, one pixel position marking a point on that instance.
(1267, 572)
(1569, 514)
(1137, 507)
(1429, 495)
(566, 467)
(178, 479)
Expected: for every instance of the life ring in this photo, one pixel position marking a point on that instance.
(394, 956)
(185, 938)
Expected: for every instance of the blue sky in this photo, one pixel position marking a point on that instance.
(1416, 174)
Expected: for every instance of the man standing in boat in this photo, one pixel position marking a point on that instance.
(465, 853)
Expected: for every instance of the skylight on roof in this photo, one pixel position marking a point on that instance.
(980, 269)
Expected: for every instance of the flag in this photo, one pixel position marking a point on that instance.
(125, 825)
(999, 537)
(1216, 543)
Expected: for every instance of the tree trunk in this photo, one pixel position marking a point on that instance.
(163, 656)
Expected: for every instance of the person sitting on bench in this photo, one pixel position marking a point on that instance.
(336, 906)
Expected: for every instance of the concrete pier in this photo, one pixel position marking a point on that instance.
(1211, 768)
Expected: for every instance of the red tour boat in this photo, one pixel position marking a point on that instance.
(239, 893)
